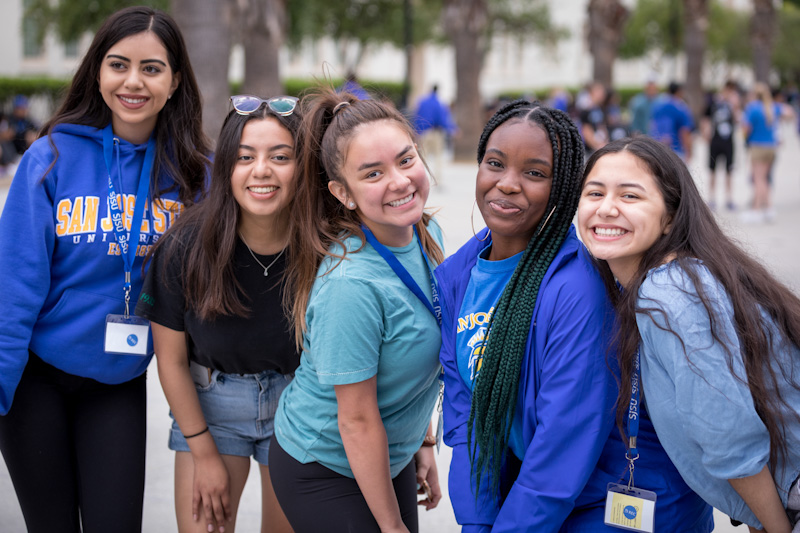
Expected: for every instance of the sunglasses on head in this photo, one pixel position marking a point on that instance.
(244, 104)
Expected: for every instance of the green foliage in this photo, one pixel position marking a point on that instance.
(625, 94)
(728, 35)
(50, 87)
(653, 25)
(786, 53)
(362, 21)
(528, 18)
(657, 25)
(72, 18)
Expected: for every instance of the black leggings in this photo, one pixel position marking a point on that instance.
(75, 451)
(315, 498)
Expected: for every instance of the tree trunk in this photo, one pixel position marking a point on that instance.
(762, 32)
(264, 24)
(696, 25)
(606, 21)
(206, 28)
(465, 22)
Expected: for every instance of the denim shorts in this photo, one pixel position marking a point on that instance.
(240, 412)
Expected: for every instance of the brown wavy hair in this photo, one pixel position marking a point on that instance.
(318, 219)
(204, 237)
(694, 235)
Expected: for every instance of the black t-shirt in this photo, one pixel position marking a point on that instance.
(720, 113)
(596, 118)
(232, 344)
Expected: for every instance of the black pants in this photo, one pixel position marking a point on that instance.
(75, 451)
(315, 498)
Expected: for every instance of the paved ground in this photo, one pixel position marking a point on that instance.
(776, 244)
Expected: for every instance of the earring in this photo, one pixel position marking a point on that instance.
(472, 223)
(547, 220)
(351, 205)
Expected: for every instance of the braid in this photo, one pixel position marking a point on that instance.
(496, 387)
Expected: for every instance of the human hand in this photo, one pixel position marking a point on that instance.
(428, 478)
(211, 491)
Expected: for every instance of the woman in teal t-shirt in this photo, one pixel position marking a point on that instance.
(351, 428)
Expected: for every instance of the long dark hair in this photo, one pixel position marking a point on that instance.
(205, 235)
(329, 123)
(694, 235)
(182, 147)
(494, 397)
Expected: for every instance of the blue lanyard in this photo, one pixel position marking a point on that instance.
(435, 308)
(633, 412)
(632, 454)
(128, 240)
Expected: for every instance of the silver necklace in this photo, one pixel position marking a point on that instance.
(266, 268)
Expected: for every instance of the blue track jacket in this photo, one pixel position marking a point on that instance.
(566, 408)
(62, 272)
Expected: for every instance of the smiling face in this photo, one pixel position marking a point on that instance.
(513, 185)
(621, 213)
(135, 81)
(263, 175)
(385, 181)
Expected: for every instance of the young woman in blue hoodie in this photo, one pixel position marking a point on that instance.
(529, 398)
(108, 175)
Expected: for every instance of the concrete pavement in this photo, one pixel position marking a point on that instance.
(775, 244)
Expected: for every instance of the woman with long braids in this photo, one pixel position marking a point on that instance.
(717, 335)
(353, 441)
(529, 399)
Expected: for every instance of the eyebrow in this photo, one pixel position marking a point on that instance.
(400, 154)
(271, 148)
(620, 186)
(527, 161)
(143, 61)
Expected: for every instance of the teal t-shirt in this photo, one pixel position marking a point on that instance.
(363, 321)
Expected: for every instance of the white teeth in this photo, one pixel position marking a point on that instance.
(133, 100)
(262, 190)
(401, 201)
(610, 232)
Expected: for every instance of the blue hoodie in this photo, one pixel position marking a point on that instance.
(565, 407)
(62, 272)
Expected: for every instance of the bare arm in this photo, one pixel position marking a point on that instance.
(211, 481)
(367, 449)
(761, 496)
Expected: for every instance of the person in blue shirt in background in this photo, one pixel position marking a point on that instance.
(529, 398)
(433, 123)
(672, 123)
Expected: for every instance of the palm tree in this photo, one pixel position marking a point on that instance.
(695, 13)
(762, 33)
(606, 21)
(465, 23)
(206, 28)
(264, 25)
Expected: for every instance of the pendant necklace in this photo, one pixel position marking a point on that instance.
(266, 268)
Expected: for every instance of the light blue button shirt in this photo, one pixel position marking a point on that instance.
(703, 414)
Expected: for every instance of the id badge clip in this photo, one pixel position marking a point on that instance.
(628, 507)
(439, 417)
(127, 334)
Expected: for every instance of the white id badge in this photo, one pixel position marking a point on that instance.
(127, 335)
(632, 509)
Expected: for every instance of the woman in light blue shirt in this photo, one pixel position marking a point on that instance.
(716, 334)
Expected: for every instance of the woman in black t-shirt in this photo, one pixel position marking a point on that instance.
(214, 293)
